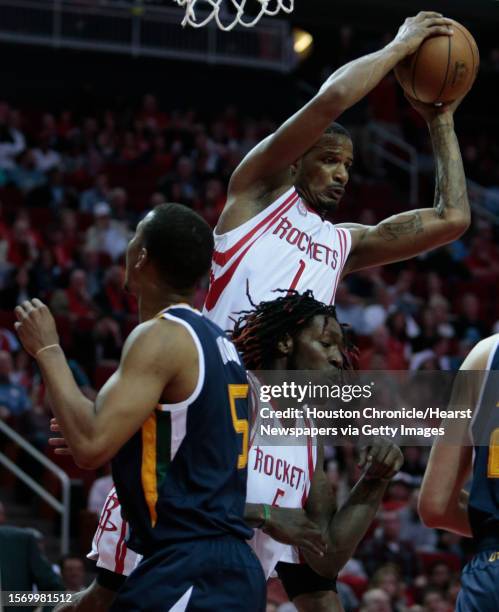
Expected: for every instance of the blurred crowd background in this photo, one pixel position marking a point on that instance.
(75, 178)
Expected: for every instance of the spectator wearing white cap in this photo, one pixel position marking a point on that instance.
(107, 235)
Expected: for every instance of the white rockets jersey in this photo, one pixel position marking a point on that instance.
(286, 246)
(278, 476)
(109, 547)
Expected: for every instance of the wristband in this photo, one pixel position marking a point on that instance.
(266, 516)
(45, 348)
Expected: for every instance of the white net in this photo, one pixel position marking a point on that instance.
(222, 12)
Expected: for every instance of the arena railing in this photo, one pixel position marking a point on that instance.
(61, 507)
(144, 30)
(391, 148)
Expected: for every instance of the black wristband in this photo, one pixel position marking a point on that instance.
(109, 580)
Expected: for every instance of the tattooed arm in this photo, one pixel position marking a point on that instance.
(409, 233)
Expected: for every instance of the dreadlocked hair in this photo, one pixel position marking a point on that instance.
(257, 331)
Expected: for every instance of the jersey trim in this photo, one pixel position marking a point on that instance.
(179, 430)
(345, 241)
(263, 212)
(222, 257)
(219, 284)
(201, 375)
(183, 602)
(156, 457)
(148, 468)
(120, 554)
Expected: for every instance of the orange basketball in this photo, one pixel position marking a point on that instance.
(442, 69)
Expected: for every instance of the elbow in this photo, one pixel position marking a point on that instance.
(334, 99)
(90, 458)
(454, 228)
(460, 225)
(431, 512)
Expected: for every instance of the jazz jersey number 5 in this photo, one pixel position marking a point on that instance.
(241, 426)
(493, 468)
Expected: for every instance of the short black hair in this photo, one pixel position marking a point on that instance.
(336, 128)
(257, 332)
(180, 243)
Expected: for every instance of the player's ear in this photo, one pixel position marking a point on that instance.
(285, 345)
(294, 168)
(141, 259)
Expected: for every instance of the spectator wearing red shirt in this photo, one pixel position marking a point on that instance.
(483, 260)
(24, 243)
(80, 302)
(113, 299)
(150, 113)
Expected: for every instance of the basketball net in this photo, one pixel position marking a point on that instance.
(267, 7)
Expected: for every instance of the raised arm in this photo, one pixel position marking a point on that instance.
(95, 432)
(443, 504)
(345, 528)
(409, 233)
(267, 167)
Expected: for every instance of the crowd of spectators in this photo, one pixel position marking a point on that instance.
(72, 189)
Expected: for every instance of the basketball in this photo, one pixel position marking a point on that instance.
(442, 69)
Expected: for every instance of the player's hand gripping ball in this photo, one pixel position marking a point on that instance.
(443, 68)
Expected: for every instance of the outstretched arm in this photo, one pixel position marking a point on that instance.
(443, 504)
(410, 233)
(95, 432)
(346, 527)
(266, 167)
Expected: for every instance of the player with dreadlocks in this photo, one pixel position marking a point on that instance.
(288, 492)
(289, 502)
(256, 330)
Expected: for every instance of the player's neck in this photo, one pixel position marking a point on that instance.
(155, 300)
(322, 212)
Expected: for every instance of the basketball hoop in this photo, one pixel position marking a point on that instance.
(269, 8)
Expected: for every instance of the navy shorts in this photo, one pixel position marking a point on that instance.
(212, 575)
(480, 583)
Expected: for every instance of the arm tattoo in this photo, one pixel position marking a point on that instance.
(450, 181)
(392, 230)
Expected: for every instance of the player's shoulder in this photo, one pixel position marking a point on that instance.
(479, 357)
(156, 337)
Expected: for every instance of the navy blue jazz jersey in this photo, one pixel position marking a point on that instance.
(480, 578)
(183, 475)
(181, 481)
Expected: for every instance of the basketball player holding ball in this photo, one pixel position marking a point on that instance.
(273, 231)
